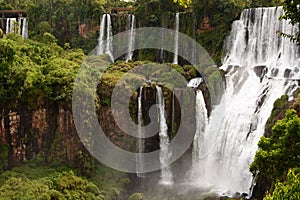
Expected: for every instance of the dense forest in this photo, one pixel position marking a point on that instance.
(41, 155)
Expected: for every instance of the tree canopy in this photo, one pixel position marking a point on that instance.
(280, 152)
(184, 3)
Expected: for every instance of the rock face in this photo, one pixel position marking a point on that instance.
(287, 73)
(260, 71)
(49, 132)
(149, 100)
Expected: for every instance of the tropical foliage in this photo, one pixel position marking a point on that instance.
(289, 189)
(35, 181)
(281, 151)
(292, 13)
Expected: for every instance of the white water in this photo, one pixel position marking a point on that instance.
(109, 46)
(201, 116)
(235, 126)
(105, 43)
(22, 26)
(195, 82)
(24, 31)
(140, 134)
(10, 25)
(131, 20)
(101, 46)
(264, 46)
(176, 38)
(166, 173)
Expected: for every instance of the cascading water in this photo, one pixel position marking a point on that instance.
(10, 25)
(131, 20)
(176, 40)
(105, 44)
(22, 26)
(24, 31)
(7, 25)
(109, 46)
(201, 117)
(262, 66)
(140, 144)
(259, 42)
(166, 173)
(101, 45)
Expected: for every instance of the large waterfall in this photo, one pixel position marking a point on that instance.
(105, 43)
(176, 38)
(261, 67)
(140, 145)
(131, 21)
(166, 173)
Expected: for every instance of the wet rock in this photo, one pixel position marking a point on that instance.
(262, 185)
(260, 70)
(244, 195)
(274, 72)
(231, 69)
(287, 73)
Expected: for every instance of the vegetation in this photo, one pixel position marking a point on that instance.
(278, 156)
(184, 3)
(35, 180)
(292, 13)
(280, 152)
(76, 23)
(287, 190)
(39, 73)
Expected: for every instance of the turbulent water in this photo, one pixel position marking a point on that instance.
(261, 67)
(131, 20)
(105, 37)
(175, 61)
(166, 173)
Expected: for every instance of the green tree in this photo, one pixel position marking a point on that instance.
(287, 190)
(292, 13)
(280, 152)
(184, 3)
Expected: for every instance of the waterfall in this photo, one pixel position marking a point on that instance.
(105, 45)
(23, 22)
(7, 25)
(131, 20)
(101, 46)
(255, 40)
(261, 67)
(22, 26)
(166, 173)
(175, 61)
(140, 134)
(109, 47)
(10, 25)
(201, 117)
